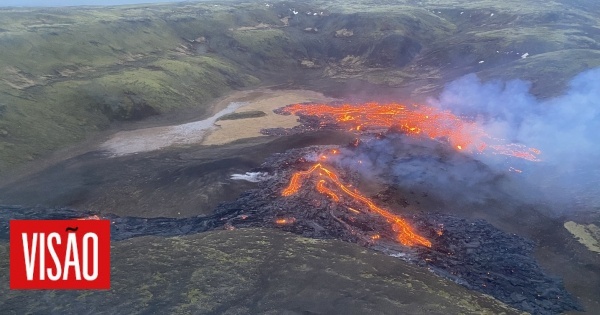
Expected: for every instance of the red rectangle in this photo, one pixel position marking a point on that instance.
(60, 254)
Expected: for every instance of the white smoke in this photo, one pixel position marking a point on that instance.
(565, 128)
(253, 177)
(423, 165)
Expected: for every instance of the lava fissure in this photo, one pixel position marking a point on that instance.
(416, 120)
(405, 233)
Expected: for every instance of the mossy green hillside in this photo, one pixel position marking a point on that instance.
(250, 271)
(42, 118)
(266, 45)
(66, 73)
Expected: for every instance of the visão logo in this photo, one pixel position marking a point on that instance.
(60, 254)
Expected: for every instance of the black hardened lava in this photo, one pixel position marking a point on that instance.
(474, 254)
(122, 228)
(481, 257)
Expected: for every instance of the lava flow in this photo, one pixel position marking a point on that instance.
(414, 120)
(405, 235)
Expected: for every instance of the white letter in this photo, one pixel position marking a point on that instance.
(29, 259)
(94, 238)
(52, 236)
(42, 255)
(72, 247)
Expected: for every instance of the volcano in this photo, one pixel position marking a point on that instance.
(313, 191)
(310, 157)
(307, 197)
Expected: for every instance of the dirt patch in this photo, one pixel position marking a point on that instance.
(268, 100)
(152, 139)
(156, 138)
(17, 79)
(588, 235)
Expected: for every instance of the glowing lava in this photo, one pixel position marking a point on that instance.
(285, 221)
(405, 235)
(415, 120)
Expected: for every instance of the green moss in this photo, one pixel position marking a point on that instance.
(397, 6)
(65, 111)
(550, 70)
(536, 39)
(215, 273)
(264, 44)
(67, 73)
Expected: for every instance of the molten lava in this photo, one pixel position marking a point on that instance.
(423, 121)
(405, 233)
(285, 221)
(417, 121)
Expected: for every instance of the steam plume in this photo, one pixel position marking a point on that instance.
(565, 128)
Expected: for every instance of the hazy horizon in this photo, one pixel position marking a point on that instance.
(64, 3)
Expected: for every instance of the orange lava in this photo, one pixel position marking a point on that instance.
(326, 191)
(405, 233)
(285, 221)
(415, 120)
